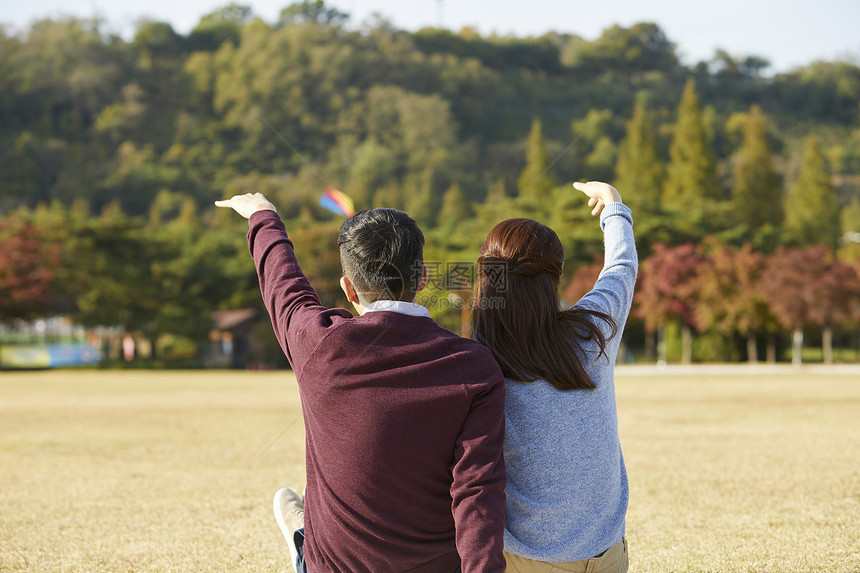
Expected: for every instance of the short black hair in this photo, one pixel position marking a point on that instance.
(382, 253)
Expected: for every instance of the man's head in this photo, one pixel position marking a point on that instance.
(381, 253)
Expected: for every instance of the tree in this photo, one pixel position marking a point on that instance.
(496, 191)
(26, 273)
(731, 297)
(153, 281)
(136, 179)
(850, 220)
(536, 180)
(757, 191)
(629, 52)
(455, 207)
(311, 12)
(812, 206)
(582, 281)
(809, 287)
(691, 182)
(221, 25)
(667, 293)
(640, 172)
(593, 146)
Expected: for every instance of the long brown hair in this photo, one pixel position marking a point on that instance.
(517, 312)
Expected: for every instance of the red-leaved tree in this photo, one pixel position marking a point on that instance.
(25, 270)
(730, 298)
(582, 281)
(667, 293)
(808, 288)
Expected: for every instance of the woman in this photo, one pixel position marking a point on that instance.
(567, 484)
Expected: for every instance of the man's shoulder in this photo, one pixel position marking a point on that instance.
(478, 364)
(402, 327)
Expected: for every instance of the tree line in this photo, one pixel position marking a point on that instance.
(111, 152)
(726, 295)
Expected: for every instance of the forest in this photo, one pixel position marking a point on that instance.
(744, 184)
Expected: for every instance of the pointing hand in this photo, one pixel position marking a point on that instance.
(600, 194)
(247, 204)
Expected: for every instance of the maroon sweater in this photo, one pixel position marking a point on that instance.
(404, 425)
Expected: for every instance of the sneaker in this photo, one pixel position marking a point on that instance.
(290, 515)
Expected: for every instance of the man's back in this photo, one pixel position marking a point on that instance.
(404, 425)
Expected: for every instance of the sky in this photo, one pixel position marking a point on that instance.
(789, 33)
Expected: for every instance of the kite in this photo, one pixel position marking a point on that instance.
(337, 202)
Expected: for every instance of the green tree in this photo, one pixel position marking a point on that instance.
(691, 182)
(219, 26)
(496, 191)
(594, 150)
(373, 167)
(640, 172)
(630, 53)
(851, 221)
(536, 181)
(812, 206)
(136, 179)
(388, 195)
(455, 207)
(314, 12)
(757, 191)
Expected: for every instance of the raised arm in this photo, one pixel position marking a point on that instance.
(613, 291)
(298, 318)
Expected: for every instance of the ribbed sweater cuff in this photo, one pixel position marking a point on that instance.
(614, 209)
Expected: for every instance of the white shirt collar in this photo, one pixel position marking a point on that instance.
(400, 306)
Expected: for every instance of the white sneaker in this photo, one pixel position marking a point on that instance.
(290, 514)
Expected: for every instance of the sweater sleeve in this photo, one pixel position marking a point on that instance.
(478, 488)
(298, 318)
(613, 291)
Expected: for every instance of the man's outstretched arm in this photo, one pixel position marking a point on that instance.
(298, 317)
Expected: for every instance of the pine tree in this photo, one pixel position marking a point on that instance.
(388, 196)
(496, 191)
(536, 181)
(422, 203)
(851, 218)
(188, 213)
(692, 174)
(812, 206)
(455, 207)
(757, 193)
(640, 172)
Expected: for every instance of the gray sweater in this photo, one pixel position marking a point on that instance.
(567, 485)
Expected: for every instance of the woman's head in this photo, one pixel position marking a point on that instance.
(530, 249)
(517, 310)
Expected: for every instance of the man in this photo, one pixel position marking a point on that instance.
(404, 420)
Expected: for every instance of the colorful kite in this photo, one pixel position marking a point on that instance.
(337, 202)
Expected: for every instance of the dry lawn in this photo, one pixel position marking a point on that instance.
(167, 471)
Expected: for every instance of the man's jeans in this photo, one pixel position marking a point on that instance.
(299, 540)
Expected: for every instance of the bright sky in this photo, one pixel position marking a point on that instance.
(789, 33)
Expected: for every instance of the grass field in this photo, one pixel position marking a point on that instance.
(167, 471)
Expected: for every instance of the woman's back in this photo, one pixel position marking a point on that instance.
(567, 488)
(566, 481)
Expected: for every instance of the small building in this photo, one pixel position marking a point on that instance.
(231, 340)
